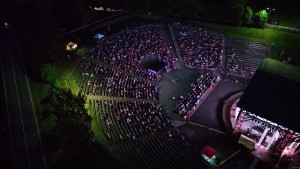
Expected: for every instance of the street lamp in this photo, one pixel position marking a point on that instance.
(269, 12)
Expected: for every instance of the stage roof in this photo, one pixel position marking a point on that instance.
(274, 95)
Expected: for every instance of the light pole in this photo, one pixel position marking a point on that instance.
(269, 12)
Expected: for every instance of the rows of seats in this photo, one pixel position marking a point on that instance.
(126, 110)
(185, 106)
(200, 48)
(125, 120)
(166, 150)
(244, 57)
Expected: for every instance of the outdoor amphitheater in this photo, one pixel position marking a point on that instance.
(158, 92)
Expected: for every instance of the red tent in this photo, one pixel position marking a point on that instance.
(208, 151)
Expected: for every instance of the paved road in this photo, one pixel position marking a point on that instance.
(25, 140)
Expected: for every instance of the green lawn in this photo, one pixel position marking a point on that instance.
(40, 90)
(66, 80)
(279, 68)
(275, 40)
(290, 22)
(99, 134)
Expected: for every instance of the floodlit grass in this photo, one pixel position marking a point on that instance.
(282, 69)
(275, 40)
(99, 134)
(40, 90)
(66, 80)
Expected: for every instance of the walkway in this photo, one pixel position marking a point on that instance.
(93, 97)
(180, 58)
(284, 28)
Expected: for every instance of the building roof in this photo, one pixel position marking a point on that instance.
(208, 151)
(274, 96)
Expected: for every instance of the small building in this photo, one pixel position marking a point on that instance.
(71, 46)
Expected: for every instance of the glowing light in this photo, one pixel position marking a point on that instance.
(71, 46)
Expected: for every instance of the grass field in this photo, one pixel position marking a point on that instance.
(279, 68)
(66, 80)
(41, 89)
(290, 22)
(99, 134)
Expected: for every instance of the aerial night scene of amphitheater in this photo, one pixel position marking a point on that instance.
(149, 84)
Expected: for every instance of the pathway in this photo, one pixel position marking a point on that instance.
(98, 97)
(180, 58)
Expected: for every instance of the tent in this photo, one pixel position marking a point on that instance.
(71, 46)
(98, 36)
(208, 151)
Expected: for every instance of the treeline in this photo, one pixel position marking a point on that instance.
(37, 34)
(235, 12)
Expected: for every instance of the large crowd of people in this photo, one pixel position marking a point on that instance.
(98, 79)
(131, 47)
(112, 69)
(187, 105)
(199, 48)
(129, 109)
(131, 120)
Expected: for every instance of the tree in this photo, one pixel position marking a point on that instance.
(165, 7)
(50, 73)
(52, 40)
(237, 8)
(261, 18)
(137, 6)
(247, 19)
(72, 128)
(188, 8)
(72, 135)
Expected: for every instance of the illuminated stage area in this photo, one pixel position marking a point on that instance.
(265, 118)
